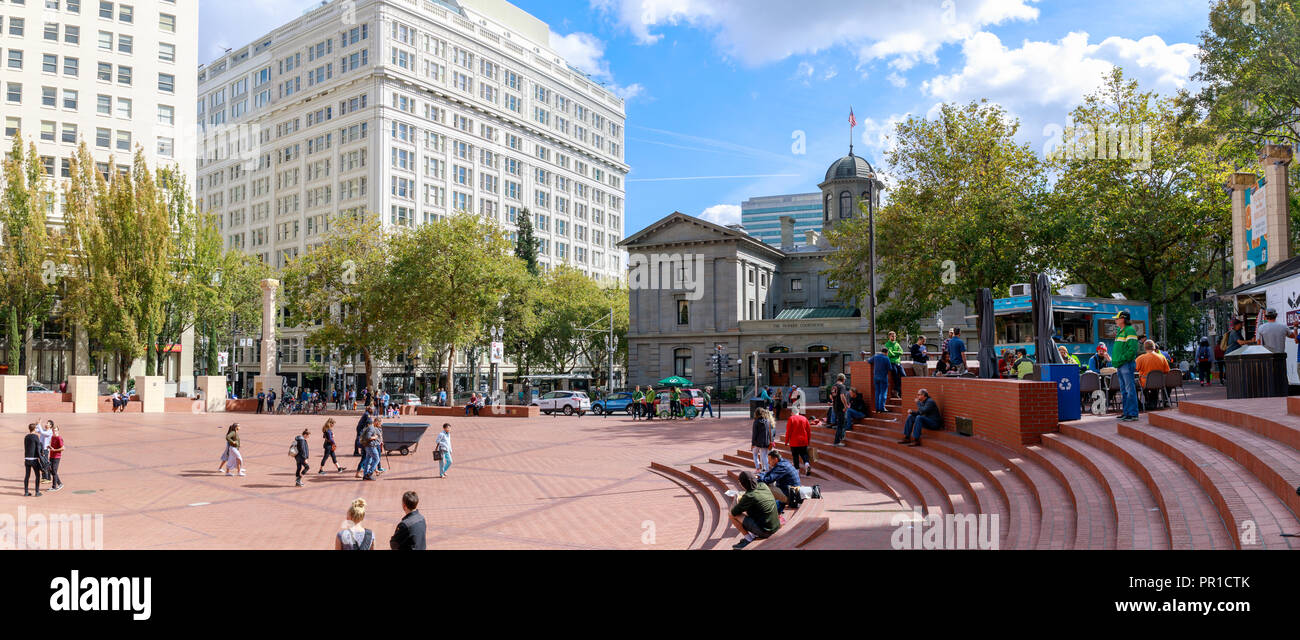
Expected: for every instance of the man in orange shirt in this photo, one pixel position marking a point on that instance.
(798, 435)
(1150, 361)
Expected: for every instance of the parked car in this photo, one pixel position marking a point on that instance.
(36, 387)
(408, 399)
(614, 403)
(567, 402)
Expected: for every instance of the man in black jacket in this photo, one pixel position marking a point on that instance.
(301, 459)
(32, 459)
(409, 535)
(361, 426)
(925, 415)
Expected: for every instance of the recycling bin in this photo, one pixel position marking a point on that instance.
(1066, 377)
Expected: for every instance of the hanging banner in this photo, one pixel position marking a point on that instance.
(1257, 225)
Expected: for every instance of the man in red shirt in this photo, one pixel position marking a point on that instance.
(798, 435)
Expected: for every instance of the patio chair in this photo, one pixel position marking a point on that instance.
(1173, 386)
(1155, 382)
(1089, 382)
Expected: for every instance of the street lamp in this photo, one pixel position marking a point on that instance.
(494, 357)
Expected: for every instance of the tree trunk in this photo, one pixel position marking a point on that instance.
(451, 381)
(370, 371)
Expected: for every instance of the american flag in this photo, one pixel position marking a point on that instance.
(853, 121)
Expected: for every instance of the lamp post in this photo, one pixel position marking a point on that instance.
(498, 334)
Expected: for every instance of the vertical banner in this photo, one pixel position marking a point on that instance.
(1257, 225)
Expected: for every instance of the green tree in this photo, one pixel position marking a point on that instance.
(27, 249)
(121, 246)
(237, 306)
(965, 214)
(461, 268)
(1154, 232)
(526, 242)
(572, 301)
(342, 288)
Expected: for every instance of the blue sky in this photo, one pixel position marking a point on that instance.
(723, 88)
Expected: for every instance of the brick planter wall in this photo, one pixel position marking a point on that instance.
(511, 411)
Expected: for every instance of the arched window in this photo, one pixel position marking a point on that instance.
(826, 208)
(846, 205)
(682, 363)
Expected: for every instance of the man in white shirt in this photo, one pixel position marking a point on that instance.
(1273, 334)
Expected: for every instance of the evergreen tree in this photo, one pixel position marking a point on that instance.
(526, 242)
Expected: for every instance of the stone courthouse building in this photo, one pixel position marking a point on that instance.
(695, 286)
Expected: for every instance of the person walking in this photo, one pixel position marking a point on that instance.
(638, 399)
(31, 460)
(261, 401)
(708, 403)
(1204, 361)
(56, 454)
(232, 451)
(442, 450)
(761, 439)
(409, 534)
(798, 399)
(957, 351)
(840, 402)
(362, 423)
(329, 445)
(354, 537)
(1125, 362)
(300, 457)
(798, 436)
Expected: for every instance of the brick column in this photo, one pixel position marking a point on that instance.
(1273, 161)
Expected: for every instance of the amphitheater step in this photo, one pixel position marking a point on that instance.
(1139, 520)
(1255, 517)
(895, 486)
(1094, 521)
(713, 521)
(916, 488)
(1191, 519)
(1273, 463)
(1266, 417)
(958, 496)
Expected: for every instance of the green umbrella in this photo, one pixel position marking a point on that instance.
(674, 381)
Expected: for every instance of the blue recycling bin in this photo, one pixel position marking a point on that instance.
(1066, 377)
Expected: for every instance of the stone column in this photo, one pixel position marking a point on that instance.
(1273, 160)
(13, 394)
(185, 368)
(151, 390)
(267, 380)
(85, 393)
(1239, 184)
(214, 392)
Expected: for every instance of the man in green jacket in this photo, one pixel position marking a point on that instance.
(638, 399)
(1124, 359)
(755, 513)
(895, 365)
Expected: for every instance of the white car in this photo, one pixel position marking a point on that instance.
(567, 402)
(408, 399)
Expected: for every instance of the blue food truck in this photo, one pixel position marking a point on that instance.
(1080, 322)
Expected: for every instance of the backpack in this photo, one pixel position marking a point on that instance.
(1203, 354)
(293, 448)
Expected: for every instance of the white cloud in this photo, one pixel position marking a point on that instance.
(587, 52)
(628, 92)
(723, 214)
(879, 135)
(896, 80)
(755, 32)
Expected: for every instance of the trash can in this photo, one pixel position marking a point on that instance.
(1255, 372)
(1066, 377)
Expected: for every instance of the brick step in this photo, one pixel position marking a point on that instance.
(706, 503)
(1293, 406)
(725, 463)
(715, 478)
(1191, 519)
(917, 489)
(1275, 465)
(1267, 417)
(861, 476)
(1020, 522)
(1246, 506)
(1139, 521)
(737, 460)
(1094, 522)
(1056, 517)
(958, 498)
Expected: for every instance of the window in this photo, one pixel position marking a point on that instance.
(70, 99)
(103, 138)
(125, 44)
(796, 284)
(124, 108)
(124, 75)
(166, 114)
(71, 66)
(49, 63)
(69, 133)
(47, 131)
(72, 34)
(166, 83)
(106, 10)
(17, 26)
(124, 140)
(167, 52)
(12, 124)
(167, 23)
(106, 40)
(682, 363)
(14, 92)
(846, 205)
(104, 105)
(105, 72)
(52, 31)
(126, 13)
(683, 312)
(49, 97)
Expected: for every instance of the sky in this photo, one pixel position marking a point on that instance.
(732, 99)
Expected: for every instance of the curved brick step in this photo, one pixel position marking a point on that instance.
(893, 483)
(1276, 465)
(1139, 521)
(737, 460)
(727, 464)
(959, 498)
(920, 491)
(1272, 417)
(806, 523)
(1191, 519)
(717, 489)
(1051, 500)
(1245, 504)
(1018, 531)
(705, 501)
(1094, 521)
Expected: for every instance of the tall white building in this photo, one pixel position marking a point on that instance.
(414, 110)
(113, 74)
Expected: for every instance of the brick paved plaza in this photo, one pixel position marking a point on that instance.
(541, 483)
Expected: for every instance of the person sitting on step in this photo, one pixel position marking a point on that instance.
(926, 414)
(755, 513)
(784, 478)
